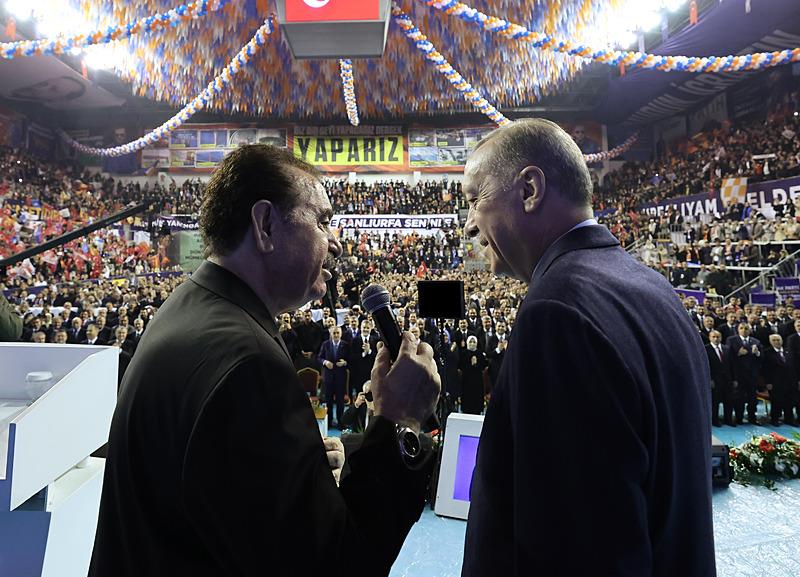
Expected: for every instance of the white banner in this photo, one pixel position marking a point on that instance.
(404, 223)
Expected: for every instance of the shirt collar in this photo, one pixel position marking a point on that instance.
(582, 224)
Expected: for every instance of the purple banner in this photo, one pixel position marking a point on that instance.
(787, 287)
(699, 295)
(763, 299)
(760, 194)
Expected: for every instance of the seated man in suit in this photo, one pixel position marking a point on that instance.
(357, 415)
(333, 357)
(92, 337)
(720, 361)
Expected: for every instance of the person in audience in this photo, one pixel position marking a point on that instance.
(61, 337)
(720, 362)
(746, 367)
(10, 323)
(357, 415)
(496, 352)
(781, 379)
(729, 328)
(333, 356)
(705, 330)
(471, 364)
(362, 356)
(92, 337)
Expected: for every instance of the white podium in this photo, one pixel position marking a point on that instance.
(49, 488)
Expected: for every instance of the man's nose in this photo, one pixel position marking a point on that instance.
(335, 245)
(471, 229)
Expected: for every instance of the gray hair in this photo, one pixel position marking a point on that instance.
(545, 143)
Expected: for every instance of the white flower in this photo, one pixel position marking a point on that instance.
(780, 467)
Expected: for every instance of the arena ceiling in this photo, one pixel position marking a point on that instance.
(152, 76)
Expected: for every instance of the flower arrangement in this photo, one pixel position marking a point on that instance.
(765, 458)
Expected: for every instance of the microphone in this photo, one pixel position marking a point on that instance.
(376, 301)
(331, 295)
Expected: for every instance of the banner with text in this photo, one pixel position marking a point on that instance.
(761, 194)
(788, 287)
(404, 223)
(351, 148)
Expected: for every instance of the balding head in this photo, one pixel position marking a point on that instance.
(542, 143)
(526, 185)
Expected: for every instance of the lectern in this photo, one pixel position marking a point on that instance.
(56, 403)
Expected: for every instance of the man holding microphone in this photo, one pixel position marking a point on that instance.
(215, 462)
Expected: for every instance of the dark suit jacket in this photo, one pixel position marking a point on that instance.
(721, 371)
(747, 367)
(604, 339)
(792, 344)
(781, 374)
(215, 463)
(726, 331)
(336, 374)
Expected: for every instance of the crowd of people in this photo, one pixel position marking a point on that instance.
(699, 164)
(754, 355)
(394, 197)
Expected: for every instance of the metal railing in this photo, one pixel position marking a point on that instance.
(785, 267)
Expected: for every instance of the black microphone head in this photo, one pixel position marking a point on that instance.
(375, 297)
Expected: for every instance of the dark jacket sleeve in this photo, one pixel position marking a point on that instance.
(558, 520)
(260, 493)
(10, 323)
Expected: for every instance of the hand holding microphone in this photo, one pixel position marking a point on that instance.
(405, 382)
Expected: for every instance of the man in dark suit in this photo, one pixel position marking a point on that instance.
(720, 362)
(362, 357)
(705, 330)
(76, 332)
(780, 376)
(496, 352)
(211, 410)
(92, 336)
(771, 327)
(333, 355)
(728, 329)
(746, 367)
(635, 386)
(793, 340)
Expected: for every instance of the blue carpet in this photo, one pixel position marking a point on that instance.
(757, 531)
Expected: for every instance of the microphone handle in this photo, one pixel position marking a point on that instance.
(391, 336)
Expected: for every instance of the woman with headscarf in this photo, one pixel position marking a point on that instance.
(472, 363)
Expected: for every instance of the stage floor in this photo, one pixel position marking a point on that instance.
(757, 531)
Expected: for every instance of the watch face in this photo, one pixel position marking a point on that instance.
(410, 444)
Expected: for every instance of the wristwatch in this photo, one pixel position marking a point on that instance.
(410, 446)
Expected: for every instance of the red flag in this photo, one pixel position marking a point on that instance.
(422, 270)
(327, 10)
(11, 29)
(693, 12)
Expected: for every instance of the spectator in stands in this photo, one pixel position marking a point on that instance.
(10, 323)
(358, 413)
(92, 337)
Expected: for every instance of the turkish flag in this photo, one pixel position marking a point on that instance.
(331, 10)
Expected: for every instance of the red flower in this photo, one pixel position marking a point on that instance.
(778, 438)
(766, 446)
(734, 453)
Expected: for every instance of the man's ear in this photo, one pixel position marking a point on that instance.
(534, 188)
(262, 218)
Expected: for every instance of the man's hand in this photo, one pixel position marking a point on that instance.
(405, 392)
(335, 452)
(360, 400)
(473, 361)
(328, 365)
(341, 363)
(742, 351)
(769, 387)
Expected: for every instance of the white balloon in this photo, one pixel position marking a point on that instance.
(316, 3)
